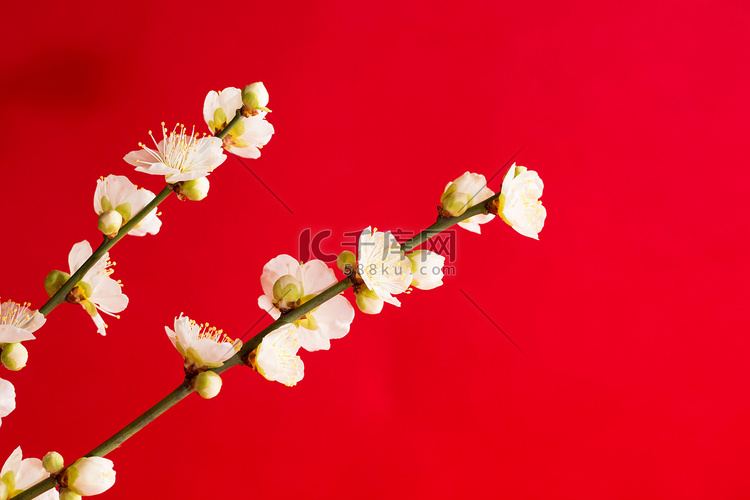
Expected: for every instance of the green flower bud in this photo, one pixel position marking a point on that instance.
(287, 289)
(194, 190)
(14, 356)
(255, 96)
(67, 494)
(110, 223)
(454, 204)
(54, 281)
(347, 262)
(207, 384)
(53, 462)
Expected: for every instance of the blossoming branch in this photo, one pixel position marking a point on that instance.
(305, 299)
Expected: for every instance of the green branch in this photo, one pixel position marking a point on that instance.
(59, 297)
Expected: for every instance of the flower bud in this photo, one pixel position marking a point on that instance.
(454, 203)
(255, 96)
(54, 281)
(207, 384)
(194, 190)
(53, 462)
(90, 476)
(110, 223)
(14, 356)
(369, 302)
(67, 494)
(347, 262)
(287, 289)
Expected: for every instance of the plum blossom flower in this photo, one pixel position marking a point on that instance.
(383, 266)
(7, 399)
(178, 156)
(287, 276)
(17, 322)
(116, 192)
(19, 474)
(98, 292)
(427, 269)
(200, 345)
(252, 133)
(519, 204)
(90, 476)
(464, 193)
(276, 356)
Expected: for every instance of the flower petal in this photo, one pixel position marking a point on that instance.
(7, 398)
(157, 168)
(139, 158)
(14, 461)
(10, 334)
(138, 199)
(266, 304)
(247, 152)
(317, 276)
(101, 327)
(334, 319)
(29, 473)
(210, 105)
(80, 252)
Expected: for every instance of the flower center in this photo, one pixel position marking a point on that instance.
(212, 333)
(177, 147)
(14, 314)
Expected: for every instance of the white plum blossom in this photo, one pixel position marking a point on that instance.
(90, 476)
(383, 266)
(102, 293)
(7, 398)
(19, 474)
(17, 322)
(519, 204)
(276, 356)
(116, 192)
(464, 193)
(201, 345)
(252, 132)
(427, 269)
(330, 320)
(178, 156)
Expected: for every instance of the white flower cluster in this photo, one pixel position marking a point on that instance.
(184, 159)
(17, 324)
(382, 271)
(518, 203)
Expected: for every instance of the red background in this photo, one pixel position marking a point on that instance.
(631, 309)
